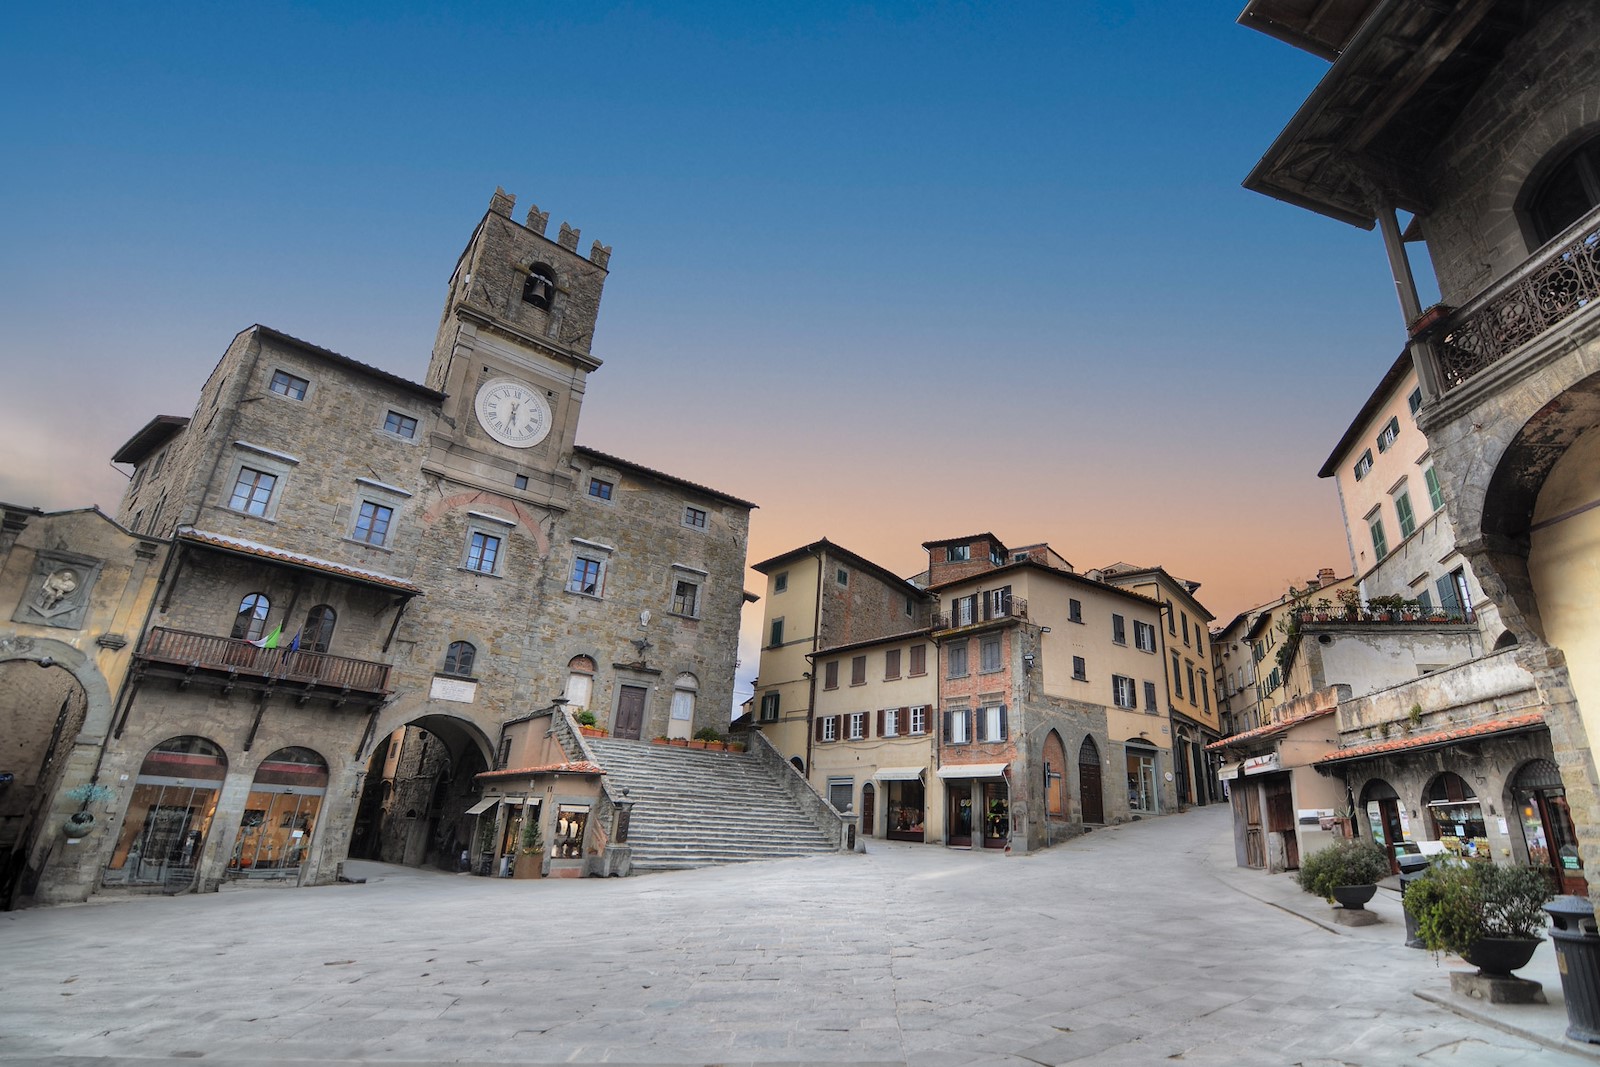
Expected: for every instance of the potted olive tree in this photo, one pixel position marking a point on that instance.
(1491, 915)
(1346, 872)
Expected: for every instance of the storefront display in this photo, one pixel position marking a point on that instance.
(997, 815)
(905, 814)
(1457, 817)
(567, 841)
(169, 814)
(1547, 829)
(285, 799)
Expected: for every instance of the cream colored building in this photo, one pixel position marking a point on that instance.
(874, 735)
(819, 596)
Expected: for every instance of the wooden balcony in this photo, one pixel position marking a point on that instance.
(230, 662)
(1555, 285)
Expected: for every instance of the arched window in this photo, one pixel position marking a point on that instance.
(169, 813)
(1566, 193)
(458, 659)
(683, 697)
(251, 622)
(580, 682)
(540, 288)
(1456, 815)
(280, 815)
(319, 629)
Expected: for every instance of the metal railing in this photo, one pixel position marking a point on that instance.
(987, 609)
(1540, 295)
(185, 648)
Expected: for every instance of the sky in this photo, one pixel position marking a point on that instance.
(894, 271)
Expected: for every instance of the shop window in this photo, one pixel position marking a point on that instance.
(280, 815)
(1141, 779)
(566, 842)
(1547, 828)
(459, 657)
(251, 621)
(318, 633)
(169, 814)
(1456, 816)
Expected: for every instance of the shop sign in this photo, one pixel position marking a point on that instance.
(1261, 764)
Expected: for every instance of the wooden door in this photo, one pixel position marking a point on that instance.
(1090, 798)
(630, 713)
(869, 810)
(1280, 821)
(1255, 849)
(1055, 777)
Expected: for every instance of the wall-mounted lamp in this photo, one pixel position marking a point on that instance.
(1027, 661)
(1044, 629)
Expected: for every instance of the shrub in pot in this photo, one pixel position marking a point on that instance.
(1491, 915)
(1343, 865)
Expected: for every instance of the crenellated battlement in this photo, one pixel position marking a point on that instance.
(503, 204)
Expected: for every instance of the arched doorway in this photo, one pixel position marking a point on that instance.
(279, 818)
(1090, 795)
(1385, 819)
(1547, 830)
(419, 783)
(869, 810)
(42, 712)
(1055, 777)
(169, 814)
(1455, 816)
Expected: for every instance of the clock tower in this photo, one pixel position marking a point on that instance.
(513, 354)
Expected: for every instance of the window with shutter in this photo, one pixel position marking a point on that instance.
(858, 670)
(919, 660)
(1150, 697)
(891, 664)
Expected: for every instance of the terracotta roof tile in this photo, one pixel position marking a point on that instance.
(575, 767)
(1436, 737)
(254, 548)
(1270, 729)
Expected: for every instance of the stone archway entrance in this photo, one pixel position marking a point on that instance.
(419, 782)
(43, 711)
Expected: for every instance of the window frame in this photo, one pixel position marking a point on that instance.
(891, 664)
(1119, 629)
(382, 536)
(917, 721)
(606, 489)
(858, 670)
(294, 388)
(1075, 610)
(452, 659)
(1404, 513)
(985, 646)
(1124, 692)
(775, 632)
(764, 712)
(917, 660)
(401, 418)
(1389, 433)
(954, 717)
(989, 725)
(496, 565)
(958, 553)
(1080, 669)
(951, 657)
(690, 608)
(696, 518)
(268, 505)
(857, 727)
(1363, 465)
(1144, 636)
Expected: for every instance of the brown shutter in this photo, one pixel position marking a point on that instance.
(880, 722)
(1003, 732)
(902, 722)
(819, 727)
(947, 722)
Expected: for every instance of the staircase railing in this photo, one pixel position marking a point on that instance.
(832, 824)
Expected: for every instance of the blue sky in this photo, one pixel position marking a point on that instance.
(895, 272)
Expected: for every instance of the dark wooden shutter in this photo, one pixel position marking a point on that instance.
(880, 722)
(949, 719)
(819, 727)
(1003, 733)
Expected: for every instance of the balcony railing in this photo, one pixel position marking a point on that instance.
(987, 609)
(1540, 295)
(1373, 614)
(240, 659)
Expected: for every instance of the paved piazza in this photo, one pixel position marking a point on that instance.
(1133, 945)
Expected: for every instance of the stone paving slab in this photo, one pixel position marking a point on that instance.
(1135, 945)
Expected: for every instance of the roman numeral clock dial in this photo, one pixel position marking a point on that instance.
(513, 413)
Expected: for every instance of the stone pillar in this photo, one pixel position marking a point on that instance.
(1574, 756)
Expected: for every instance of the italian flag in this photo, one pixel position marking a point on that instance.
(271, 640)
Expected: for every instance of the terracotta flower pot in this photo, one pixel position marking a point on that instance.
(697, 744)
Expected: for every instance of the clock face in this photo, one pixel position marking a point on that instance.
(513, 413)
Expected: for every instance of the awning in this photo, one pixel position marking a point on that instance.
(974, 770)
(482, 806)
(1229, 771)
(899, 774)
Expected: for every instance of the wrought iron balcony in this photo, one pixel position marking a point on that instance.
(1543, 293)
(987, 609)
(232, 661)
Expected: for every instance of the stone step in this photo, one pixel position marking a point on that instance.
(693, 808)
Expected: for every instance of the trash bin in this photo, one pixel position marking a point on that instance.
(1572, 928)
(1412, 867)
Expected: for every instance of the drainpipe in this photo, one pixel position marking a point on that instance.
(816, 645)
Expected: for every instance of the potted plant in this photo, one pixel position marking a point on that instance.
(1491, 915)
(1350, 600)
(1383, 608)
(1324, 610)
(709, 738)
(1346, 873)
(530, 860)
(587, 724)
(81, 822)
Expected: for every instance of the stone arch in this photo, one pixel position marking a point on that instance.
(47, 653)
(1523, 446)
(1057, 804)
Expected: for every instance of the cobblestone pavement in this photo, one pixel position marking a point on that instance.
(1123, 947)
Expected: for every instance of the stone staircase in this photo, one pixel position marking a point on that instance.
(694, 808)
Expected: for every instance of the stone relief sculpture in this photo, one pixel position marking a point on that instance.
(60, 585)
